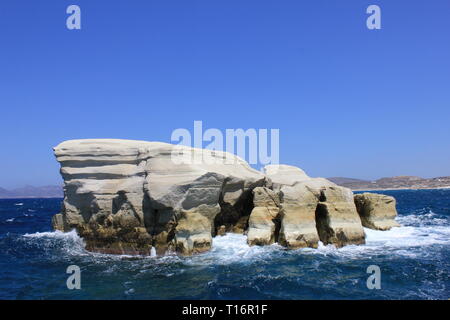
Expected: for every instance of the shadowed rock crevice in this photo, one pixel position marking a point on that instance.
(323, 224)
(277, 222)
(78, 204)
(121, 205)
(322, 196)
(233, 217)
(119, 202)
(160, 224)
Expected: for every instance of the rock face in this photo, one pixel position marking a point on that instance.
(314, 209)
(264, 222)
(337, 219)
(127, 197)
(377, 211)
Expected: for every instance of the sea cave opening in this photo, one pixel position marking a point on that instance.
(233, 218)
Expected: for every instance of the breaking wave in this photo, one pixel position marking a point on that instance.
(416, 231)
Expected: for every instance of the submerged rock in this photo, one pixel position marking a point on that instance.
(377, 211)
(137, 197)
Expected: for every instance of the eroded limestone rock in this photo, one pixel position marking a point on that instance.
(337, 220)
(127, 196)
(314, 209)
(377, 211)
(298, 225)
(264, 222)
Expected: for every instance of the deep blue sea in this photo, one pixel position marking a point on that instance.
(414, 260)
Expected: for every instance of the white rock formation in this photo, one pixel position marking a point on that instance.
(264, 218)
(125, 196)
(314, 209)
(377, 211)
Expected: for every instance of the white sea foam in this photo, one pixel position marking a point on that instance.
(233, 248)
(69, 242)
(408, 236)
(416, 232)
(54, 234)
(129, 291)
(10, 220)
(73, 244)
(18, 204)
(424, 219)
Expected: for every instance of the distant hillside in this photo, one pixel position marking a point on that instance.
(32, 192)
(400, 182)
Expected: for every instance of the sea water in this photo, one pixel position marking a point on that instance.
(414, 260)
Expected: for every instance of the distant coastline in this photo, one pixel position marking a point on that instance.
(32, 192)
(391, 183)
(399, 189)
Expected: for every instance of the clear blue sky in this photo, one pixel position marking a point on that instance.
(348, 101)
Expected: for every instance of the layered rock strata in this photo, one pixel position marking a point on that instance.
(314, 209)
(127, 197)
